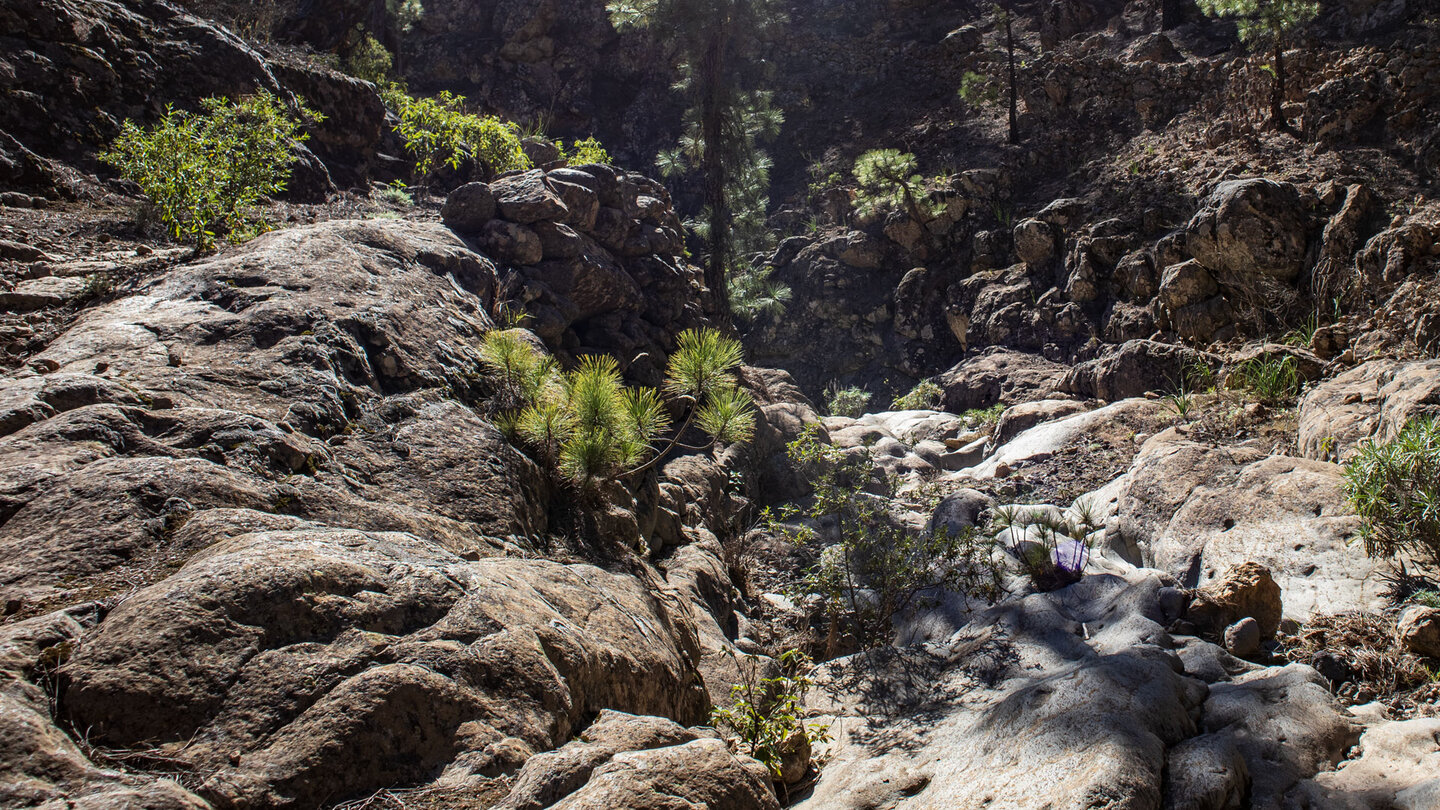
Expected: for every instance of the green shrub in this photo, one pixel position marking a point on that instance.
(765, 713)
(877, 566)
(984, 417)
(588, 150)
(370, 61)
(395, 194)
(587, 424)
(202, 171)
(1395, 489)
(753, 292)
(438, 132)
(850, 402)
(977, 89)
(1270, 379)
(925, 396)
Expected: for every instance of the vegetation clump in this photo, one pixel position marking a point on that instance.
(438, 132)
(766, 714)
(588, 150)
(872, 566)
(1270, 380)
(587, 424)
(1052, 547)
(850, 401)
(925, 396)
(203, 170)
(1395, 489)
(886, 179)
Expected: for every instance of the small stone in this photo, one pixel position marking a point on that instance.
(1172, 602)
(468, 208)
(1419, 628)
(1242, 639)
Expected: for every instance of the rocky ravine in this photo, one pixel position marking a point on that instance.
(293, 565)
(263, 549)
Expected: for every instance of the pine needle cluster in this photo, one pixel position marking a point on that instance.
(589, 425)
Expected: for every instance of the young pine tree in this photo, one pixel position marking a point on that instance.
(1261, 22)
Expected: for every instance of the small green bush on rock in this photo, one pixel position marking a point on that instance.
(1395, 489)
(438, 132)
(586, 151)
(849, 402)
(202, 171)
(766, 714)
(925, 396)
(1270, 380)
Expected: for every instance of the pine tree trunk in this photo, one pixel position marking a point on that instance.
(712, 113)
(1014, 91)
(1171, 14)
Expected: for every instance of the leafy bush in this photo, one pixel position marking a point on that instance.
(877, 567)
(370, 61)
(984, 417)
(588, 150)
(765, 713)
(202, 171)
(925, 396)
(1395, 489)
(438, 132)
(1052, 550)
(849, 402)
(588, 424)
(1269, 379)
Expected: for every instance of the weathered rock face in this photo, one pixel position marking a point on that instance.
(1373, 401)
(1396, 769)
(412, 657)
(1074, 699)
(1250, 229)
(998, 376)
(1198, 511)
(270, 478)
(1135, 368)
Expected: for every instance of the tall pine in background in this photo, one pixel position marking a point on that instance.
(716, 45)
(1262, 22)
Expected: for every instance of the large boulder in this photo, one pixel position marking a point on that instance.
(1419, 629)
(525, 198)
(411, 656)
(702, 773)
(1135, 368)
(1373, 401)
(469, 208)
(1249, 232)
(1285, 724)
(1019, 709)
(1398, 768)
(1198, 511)
(998, 376)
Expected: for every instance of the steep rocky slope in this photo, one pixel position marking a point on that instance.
(264, 544)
